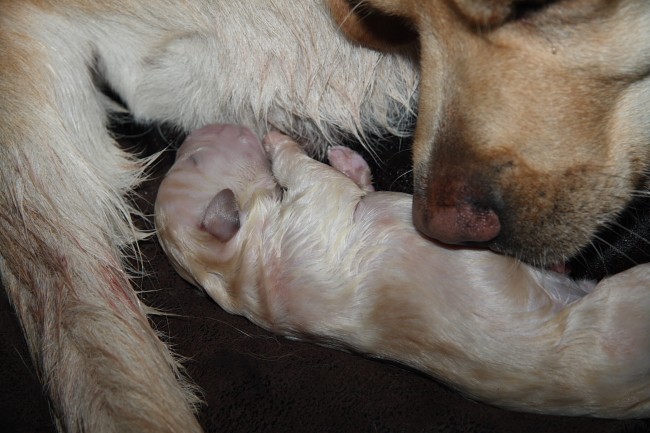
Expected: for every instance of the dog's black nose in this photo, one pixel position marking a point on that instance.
(458, 215)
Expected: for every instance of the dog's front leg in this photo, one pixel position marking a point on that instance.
(64, 223)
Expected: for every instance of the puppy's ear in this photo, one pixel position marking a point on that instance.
(372, 27)
(221, 217)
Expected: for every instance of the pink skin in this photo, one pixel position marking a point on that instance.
(352, 165)
(303, 250)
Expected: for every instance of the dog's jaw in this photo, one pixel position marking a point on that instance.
(545, 142)
(532, 133)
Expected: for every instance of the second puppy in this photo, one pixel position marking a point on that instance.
(249, 231)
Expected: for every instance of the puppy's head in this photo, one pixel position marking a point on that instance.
(534, 117)
(213, 199)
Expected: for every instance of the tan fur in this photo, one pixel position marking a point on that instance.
(65, 223)
(537, 110)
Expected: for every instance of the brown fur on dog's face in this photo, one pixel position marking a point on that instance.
(533, 127)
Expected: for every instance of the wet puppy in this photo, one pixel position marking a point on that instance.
(303, 250)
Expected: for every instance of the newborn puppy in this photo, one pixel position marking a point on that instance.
(303, 250)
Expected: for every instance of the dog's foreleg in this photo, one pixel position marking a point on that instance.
(64, 223)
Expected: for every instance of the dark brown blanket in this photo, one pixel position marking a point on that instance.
(254, 381)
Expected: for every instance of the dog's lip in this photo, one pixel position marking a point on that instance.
(560, 268)
(500, 245)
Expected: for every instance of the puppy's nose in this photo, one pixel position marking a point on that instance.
(458, 214)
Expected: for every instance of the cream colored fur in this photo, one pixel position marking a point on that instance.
(324, 260)
(65, 222)
(533, 127)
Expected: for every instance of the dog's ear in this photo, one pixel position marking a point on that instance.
(372, 27)
(492, 13)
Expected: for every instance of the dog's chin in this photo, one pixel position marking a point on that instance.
(617, 247)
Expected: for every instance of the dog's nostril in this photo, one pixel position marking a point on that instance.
(459, 223)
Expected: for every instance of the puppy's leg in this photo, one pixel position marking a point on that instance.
(298, 172)
(350, 163)
(64, 224)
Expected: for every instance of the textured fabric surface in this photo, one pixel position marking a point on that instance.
(254, 381)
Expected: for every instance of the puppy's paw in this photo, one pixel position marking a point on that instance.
(351, 164)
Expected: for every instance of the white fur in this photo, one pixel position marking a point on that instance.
(325, 260)
(65, 222)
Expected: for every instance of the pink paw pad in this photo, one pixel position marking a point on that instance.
(351, 164)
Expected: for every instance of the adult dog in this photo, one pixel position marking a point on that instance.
(544, 101)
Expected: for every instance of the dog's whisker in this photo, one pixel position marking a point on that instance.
(406, 173)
